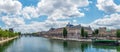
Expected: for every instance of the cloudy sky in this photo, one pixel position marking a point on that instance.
(40, 15)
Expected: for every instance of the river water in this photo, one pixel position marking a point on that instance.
(39, 44)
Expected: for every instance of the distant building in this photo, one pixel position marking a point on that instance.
(11, 30)
(69, 25)
(73, 31)
(103, 31)
(51, 29)
(88, 30)
(77, 26)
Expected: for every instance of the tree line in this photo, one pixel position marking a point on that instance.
(7, 33)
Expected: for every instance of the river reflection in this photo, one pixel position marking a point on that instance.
(39, 44)
(70, 46)
(4, 46)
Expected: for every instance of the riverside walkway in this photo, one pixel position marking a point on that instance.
(73, 39)
(8, 39)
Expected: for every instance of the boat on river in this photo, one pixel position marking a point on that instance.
(105, 42)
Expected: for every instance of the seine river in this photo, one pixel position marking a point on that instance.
(39, 44)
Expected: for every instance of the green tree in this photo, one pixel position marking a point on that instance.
(118, 33)
(19, 33)
(96, 31)
(7, 33)
(82, 32)
(0, 33)
(64, 32)
(83, 46)
(85, 34)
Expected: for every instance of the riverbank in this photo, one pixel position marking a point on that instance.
(71, 39)
(8, 39)
(87, 40)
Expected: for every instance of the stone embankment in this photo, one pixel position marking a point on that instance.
(72, 39)
(8, 39)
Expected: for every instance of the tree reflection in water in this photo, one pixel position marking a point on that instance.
(48, 45)
(83, 47)
(70, 46)
(65, 44)
(5, 45)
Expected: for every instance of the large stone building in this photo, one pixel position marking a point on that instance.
(73, 31)
(103, 31)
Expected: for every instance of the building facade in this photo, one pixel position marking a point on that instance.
(73, 31)
(103, 31)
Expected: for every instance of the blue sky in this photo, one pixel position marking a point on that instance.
(40, 15)
(89, 14)
(29, 2)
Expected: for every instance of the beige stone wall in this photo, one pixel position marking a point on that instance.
(72, 32)
(103, 32)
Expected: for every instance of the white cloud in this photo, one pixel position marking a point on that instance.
(54, 9)
(40, 26)
(10, 6)
(74, 21)
(30, 12)
(13, 22)
(108, 6)
(87, 9)
(111, 21)
(61, 9)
